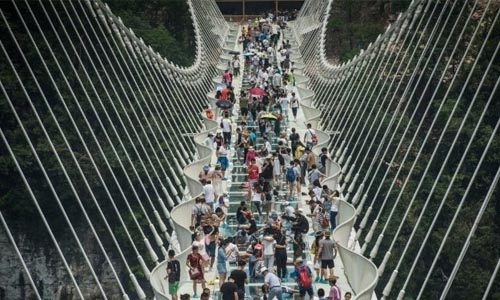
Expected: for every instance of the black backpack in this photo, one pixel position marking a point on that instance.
(175, 271)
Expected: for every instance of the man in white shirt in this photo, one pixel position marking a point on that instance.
(226, 129)
(209, 193)
(277, 80)
(273, 283)
(308, 136)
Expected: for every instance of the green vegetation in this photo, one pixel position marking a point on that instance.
(166, 25)
(455, 100)
(354, 24)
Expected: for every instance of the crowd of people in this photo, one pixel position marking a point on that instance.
(281, 170)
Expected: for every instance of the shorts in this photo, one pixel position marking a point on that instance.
(223, 161)
(221, 268)
(303, 291)
(244, 111)
(173, 287)
(327, 263)
(266, 206)
(210, 249)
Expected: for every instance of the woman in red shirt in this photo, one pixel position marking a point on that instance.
(194, 263)
(253, 172)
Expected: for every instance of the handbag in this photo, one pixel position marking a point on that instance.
(325, 222)
(193, 272)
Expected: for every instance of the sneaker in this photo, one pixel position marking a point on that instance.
(317, 279)
(195, 296)
(323, 281)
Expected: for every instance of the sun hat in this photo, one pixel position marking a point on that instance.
(332, 278)
(298, 211)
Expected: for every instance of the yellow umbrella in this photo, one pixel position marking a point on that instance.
(269, 116)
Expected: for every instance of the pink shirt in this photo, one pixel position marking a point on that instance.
(335, 293)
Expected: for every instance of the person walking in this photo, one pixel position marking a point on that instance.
(316, 260)
(222, 261)
(229, 290)
(310, 138)
(327, 252)
(303, 276)
(225, 124)
(335, 293)
(294, 105)
(281, 255)
(173, 274)
(334, 210)
(194, 263)
(240, 278)
(269, 245)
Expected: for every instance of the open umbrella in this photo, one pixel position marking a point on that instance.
(234, 52)
(256, 91)
(220, 86)
(269, 116)
(224, 104)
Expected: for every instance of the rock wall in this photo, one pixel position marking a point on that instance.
(49, 273)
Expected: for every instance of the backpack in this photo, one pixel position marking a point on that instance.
(305, 228)
(281, 160)
(325, 223)
(175, 271)
(314, 138)
(304, 278)
(199, 213)
(290, 174)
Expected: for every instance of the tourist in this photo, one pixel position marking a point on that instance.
(347, 296)
(272, 282)
(173, 274)
(221, 261)
(240, 278)
(303, 275)
(327, 252)
(194, 263)
(229, 290)
(335, 293)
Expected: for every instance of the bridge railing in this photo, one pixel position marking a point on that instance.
(181, 214)
(361, 273)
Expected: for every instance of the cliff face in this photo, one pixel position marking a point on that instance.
(49, 273)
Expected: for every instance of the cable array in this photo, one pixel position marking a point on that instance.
(106, 123)
(411, 121)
